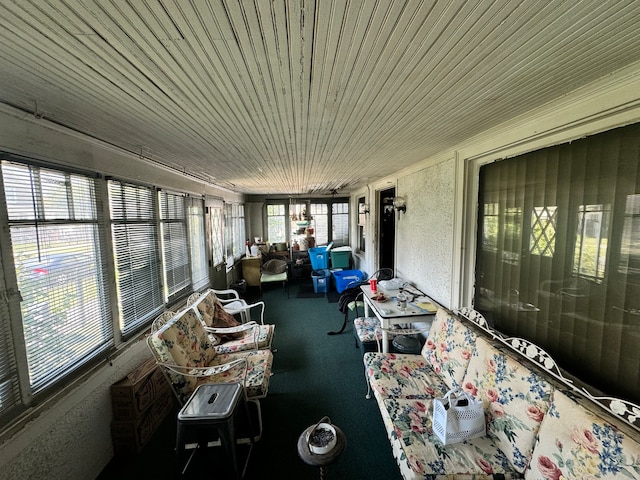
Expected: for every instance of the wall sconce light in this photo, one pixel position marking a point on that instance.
(363, 208)
(400, 204)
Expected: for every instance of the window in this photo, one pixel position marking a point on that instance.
(543, 231)
(175, 251)
(327, 221)
(199, 265)
(590, 253)
(217, 237)
(362, 223)
(276, 225)
(234, 232)
(491, 226)
(630, 243)
(340, 224)
(60, 317)
(55, 235)
(545, 276)
(320, 214)
(136, 247)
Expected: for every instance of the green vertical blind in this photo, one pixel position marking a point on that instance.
(558, 256)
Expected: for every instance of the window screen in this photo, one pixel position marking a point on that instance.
(135, 240)
(53, 222)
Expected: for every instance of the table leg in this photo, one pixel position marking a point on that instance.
(385, 336)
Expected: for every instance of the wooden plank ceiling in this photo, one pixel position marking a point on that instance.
(301, 96)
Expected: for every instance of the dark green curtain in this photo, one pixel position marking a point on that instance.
(558, 255)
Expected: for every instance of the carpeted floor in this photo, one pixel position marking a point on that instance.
(315, 374)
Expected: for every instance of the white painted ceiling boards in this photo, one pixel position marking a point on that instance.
(301, 96)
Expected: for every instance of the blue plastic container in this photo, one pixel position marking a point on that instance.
(346, 278)
(319, 258)
(321, 279)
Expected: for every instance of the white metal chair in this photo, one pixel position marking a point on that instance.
(234, 337)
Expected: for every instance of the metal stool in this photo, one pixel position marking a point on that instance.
(213, 407)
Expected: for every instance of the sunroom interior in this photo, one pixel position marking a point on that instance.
(511, 131)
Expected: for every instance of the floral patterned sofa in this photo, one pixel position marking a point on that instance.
(536, 429)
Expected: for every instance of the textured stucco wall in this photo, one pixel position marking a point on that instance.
(425, 233)
(71, 440)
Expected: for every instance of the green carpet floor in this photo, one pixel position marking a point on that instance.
(315, 374)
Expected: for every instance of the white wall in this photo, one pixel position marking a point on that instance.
(425, 233)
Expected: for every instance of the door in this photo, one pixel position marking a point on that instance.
(387, 223)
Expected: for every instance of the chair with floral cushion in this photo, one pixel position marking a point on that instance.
(226, 333)
(183, 349)
(233, 304)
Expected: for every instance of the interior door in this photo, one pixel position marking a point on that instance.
(387, 232)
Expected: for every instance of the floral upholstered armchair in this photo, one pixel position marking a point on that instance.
(183, 349)
(226, 333)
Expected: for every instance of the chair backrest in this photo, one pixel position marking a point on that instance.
(162, 319)
(182, 343)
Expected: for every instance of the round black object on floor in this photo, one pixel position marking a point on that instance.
(406, 344)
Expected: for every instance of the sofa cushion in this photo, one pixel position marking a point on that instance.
(448, 347)
(574, 443)
(420, 454)
(515, 400)
(401, 375)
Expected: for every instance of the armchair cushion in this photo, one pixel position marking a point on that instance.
(184, 342)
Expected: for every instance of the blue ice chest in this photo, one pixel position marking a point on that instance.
(346, 278)
(319, 258)
(321, 280)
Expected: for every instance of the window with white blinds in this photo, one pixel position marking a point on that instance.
(136, 246)
(55, 236)
(175, 248)
(199, 266)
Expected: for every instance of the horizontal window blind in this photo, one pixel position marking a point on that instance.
(199, 264)
(175, 249)
(135, 239)
(55, 236)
